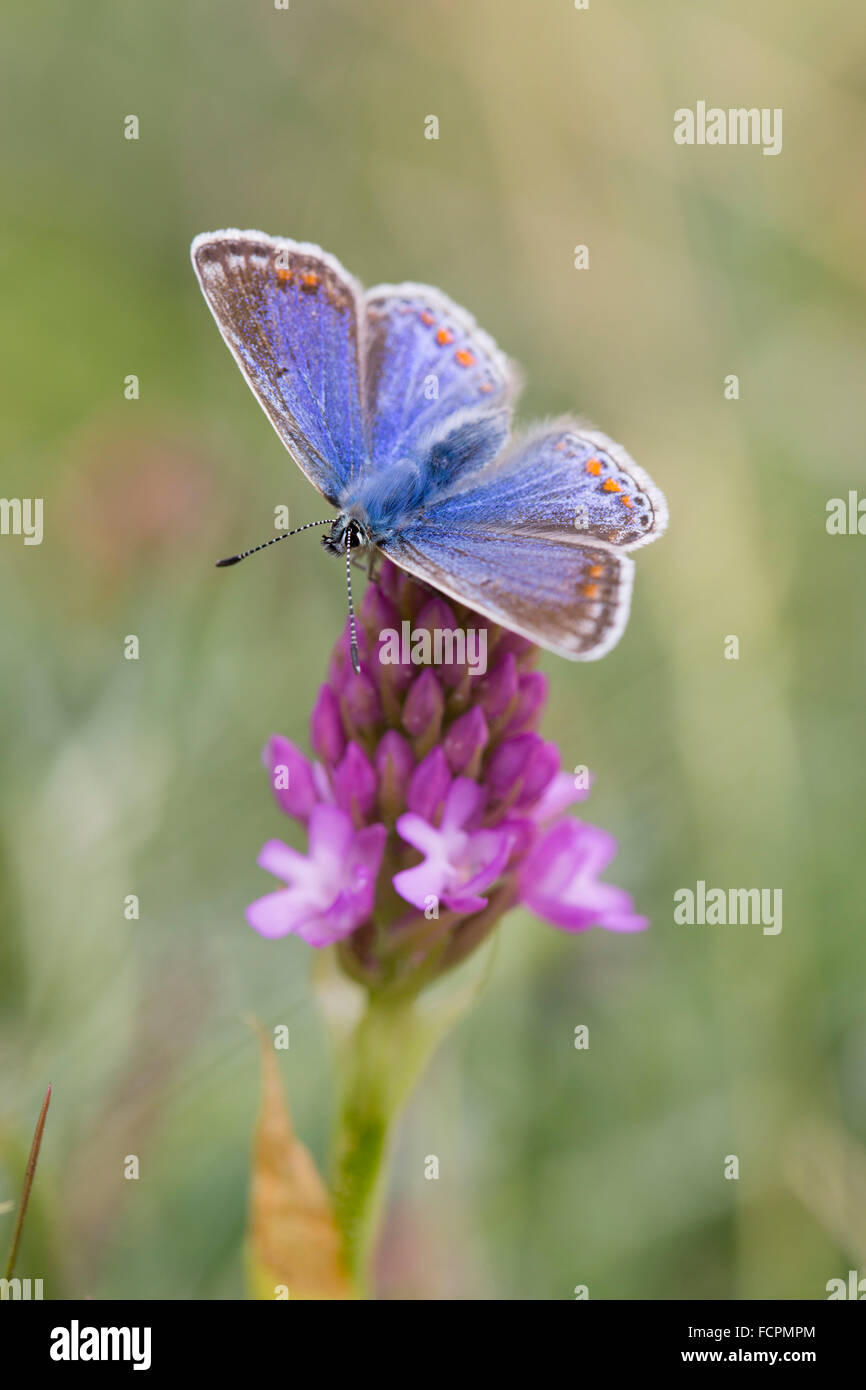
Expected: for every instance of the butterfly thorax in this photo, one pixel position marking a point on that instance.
(383, 501)
(378, 504)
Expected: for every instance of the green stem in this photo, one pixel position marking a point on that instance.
(381, 1061)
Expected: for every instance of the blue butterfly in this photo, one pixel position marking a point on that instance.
(397, 407)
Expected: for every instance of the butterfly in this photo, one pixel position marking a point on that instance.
(397, 407)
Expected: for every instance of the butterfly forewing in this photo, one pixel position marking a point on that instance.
(291, 316)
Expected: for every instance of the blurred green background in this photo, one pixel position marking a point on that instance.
(558, 1167)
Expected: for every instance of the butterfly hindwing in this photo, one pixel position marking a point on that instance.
(571, 597)
(426, 362)
(534, 539)
(293, 319)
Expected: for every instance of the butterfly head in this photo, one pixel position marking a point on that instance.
(347, 533)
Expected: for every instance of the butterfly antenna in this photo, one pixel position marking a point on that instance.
(236, 559)
(353, 646)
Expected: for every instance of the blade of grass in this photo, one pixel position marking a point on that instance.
(29, 1173)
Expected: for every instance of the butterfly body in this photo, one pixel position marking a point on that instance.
(386, 500)
(397, 407)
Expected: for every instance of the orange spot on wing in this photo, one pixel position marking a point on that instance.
(444, 336)
(283, 274)
(309, 279)
(426, 318)
(465, 358)
(610, 485)
(595, 571)
(593, 466)
(485, 387)
(626, 501)
(590, 591)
